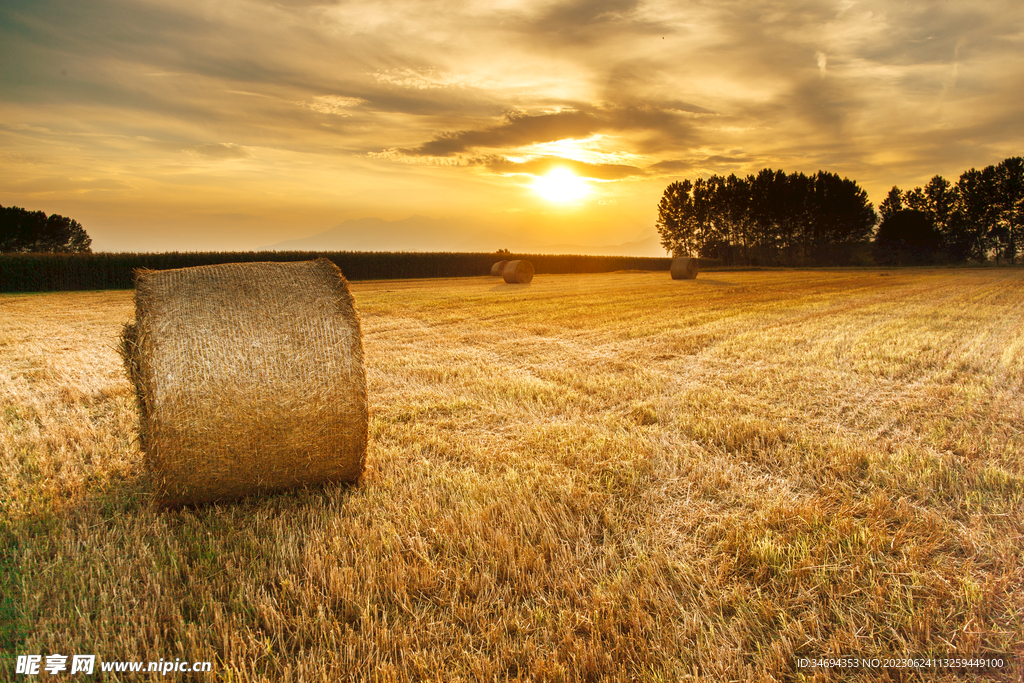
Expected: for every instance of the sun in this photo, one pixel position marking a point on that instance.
(561, 185)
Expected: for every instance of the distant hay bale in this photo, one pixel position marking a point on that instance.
(249, 378)
(684, 268)
(498, 268)
(518, 272)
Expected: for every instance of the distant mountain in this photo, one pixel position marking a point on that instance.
(420, 233)
(416, 233)
(648, 246)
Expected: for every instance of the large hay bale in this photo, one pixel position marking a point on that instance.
(249, 378)
(684, 268)
(518, 272)
(498, 268)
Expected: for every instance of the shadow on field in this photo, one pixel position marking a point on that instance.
(506, 287)
(13, 624)
(198, 556)
(714, 283)
(137, 493)
(215, 548)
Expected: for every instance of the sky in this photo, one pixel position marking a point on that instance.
(199, 125)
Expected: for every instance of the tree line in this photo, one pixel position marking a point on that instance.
(772, 218)
(979, 218)
(33, 231)
(775, 218)
(68, 271)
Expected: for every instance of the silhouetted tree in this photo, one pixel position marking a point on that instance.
(710, 212)
(34, 231)
(1009, 207)
(892, 203)
(779, 207)
(938, 199)
(839, 215)
(769, 207)
(971, 234)
(677, 222)
(940, 202)
(907, 237)
(772, 217)
(734, 206)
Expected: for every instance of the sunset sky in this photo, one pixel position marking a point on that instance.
(223, 124)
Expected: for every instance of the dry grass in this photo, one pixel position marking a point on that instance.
(593, 478)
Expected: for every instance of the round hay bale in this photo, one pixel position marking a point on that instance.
(518, 272)
(498, 268)
(684, 268)
(249, 378)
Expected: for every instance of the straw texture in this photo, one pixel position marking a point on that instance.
(498, 268)
(684, 268)
(518, 272)
(249, 378)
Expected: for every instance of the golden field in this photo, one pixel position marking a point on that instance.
(593, 477)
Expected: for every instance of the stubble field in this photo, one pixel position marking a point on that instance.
(593, 477)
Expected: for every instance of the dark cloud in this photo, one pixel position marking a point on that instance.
(822, 106)
(641, 82)
(517, 130)
(521, 129)
(716, 163)
(671, 166)
(716, 159)
(940, 32)
(578, 13)
(594, 23)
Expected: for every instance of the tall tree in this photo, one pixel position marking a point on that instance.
(840, 217)
(1009, 206)
(709, 208)
(892, 203)
(677, 222)
(734, 207)
(907, 237)
(796, 218)
(971, 234)
(767, 206)
(940, 202)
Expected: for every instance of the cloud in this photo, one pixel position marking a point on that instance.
(427, 79)
(889, 92)
(717, 164)
(338, 105)
(588, 22)
(517, 130)
(63, 184)
(222, 150)
(520, 129)
(543, 165)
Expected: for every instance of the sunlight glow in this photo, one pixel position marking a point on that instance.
(561, 185)
(596, 149)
